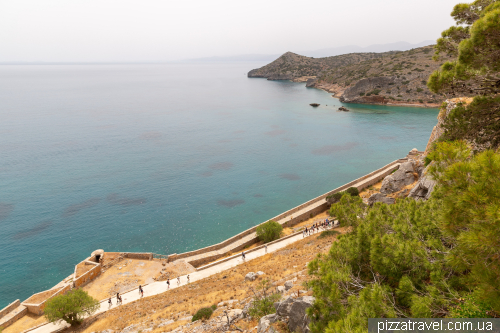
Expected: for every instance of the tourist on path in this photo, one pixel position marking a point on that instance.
(188, 278)
(243, 255)
(306, 231)
(141, 291)
(265, 247)
(178, 280)
(110, 303)
(117, 298)
(168, 284)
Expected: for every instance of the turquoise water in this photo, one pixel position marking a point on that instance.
(167, 158)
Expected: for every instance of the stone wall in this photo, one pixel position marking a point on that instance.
(143, 256)
(36, 303)
(87, 277)
(13, 316)
(9, 308)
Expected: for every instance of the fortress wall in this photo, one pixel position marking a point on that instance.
(9, 308)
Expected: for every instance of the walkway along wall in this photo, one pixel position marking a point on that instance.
(304, 211)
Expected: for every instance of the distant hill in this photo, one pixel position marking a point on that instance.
(398, 46)
(395, 77)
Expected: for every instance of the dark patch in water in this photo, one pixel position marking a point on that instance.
(331, 149)
(230, 203)
(151, 136)
(387, 137)
(221, 166)
(5, 210)
(258, 195)
(207, 174)
(33, 231)
(275, 132)
(290, 176)
(74, 209)
(116, 200)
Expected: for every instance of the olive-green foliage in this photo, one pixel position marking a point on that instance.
(477, 122)
(438, 258)
(71, 307)
(213, 307)
(391, 264)
(328, 233)
(353, 191)
(470, 213)
(269, 231)
(203, 313)
(475, 71)
(333, 198)
(263, 301)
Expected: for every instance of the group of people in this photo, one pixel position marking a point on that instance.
(316, 226)
(118, 299)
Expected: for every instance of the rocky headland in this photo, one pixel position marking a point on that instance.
(389, 78)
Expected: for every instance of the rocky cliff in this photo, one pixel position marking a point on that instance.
(396, 77)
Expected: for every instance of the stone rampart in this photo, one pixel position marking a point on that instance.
(9, 308)
(13, 315)
(36, 303)
(85, 278)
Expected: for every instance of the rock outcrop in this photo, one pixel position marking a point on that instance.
(357, 93)
(251, 276)
(265, 324)
(379, 197)
(297, 314)
(424, 187)
(402, 177)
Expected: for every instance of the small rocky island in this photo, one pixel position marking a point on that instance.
(314, 105)
(343, 108)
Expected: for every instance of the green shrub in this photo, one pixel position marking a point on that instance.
(420, 89)
(263, 302)
(420, 101)
(328, 233)
(427, 160)
(71, 307)
(361, 94)
(353, 191)
(213, 307)
(333, 198)
(269, 231)
(203, 313)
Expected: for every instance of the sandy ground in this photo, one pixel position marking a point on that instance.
(28, 321)
(125, 275)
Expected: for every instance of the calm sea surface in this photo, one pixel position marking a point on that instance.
(167, 159)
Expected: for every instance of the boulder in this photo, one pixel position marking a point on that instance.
(379, 197)
(423, 189)
(260, 273)
(298, 319)
(231, 301)
(399, 179)
(250, 276)
(283, 307)
(246, 308)
(288, 284)
(265, 324)
(280, 289)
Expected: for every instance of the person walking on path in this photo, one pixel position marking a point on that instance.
(306, 231)
(168, 284)
(243, 255)
(120, 298)
(117, 298)
(110, 303)
(265, 247)
(178, 280)
(188, 278)
(141, 292)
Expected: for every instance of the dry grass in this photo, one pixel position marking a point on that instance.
(83, 268)
(39, 298)
(180, 302)
(28, 321)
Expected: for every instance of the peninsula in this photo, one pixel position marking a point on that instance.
(392, 78)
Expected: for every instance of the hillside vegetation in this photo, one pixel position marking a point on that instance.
(390, 77)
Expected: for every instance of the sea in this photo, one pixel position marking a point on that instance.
(168, 158)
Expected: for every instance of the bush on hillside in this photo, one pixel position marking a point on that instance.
(203, 313)
(269, 231)
(353, 191)
(263, 301)
(71, 307)
(333, 198)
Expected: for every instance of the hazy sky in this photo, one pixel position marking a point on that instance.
(158, 30)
